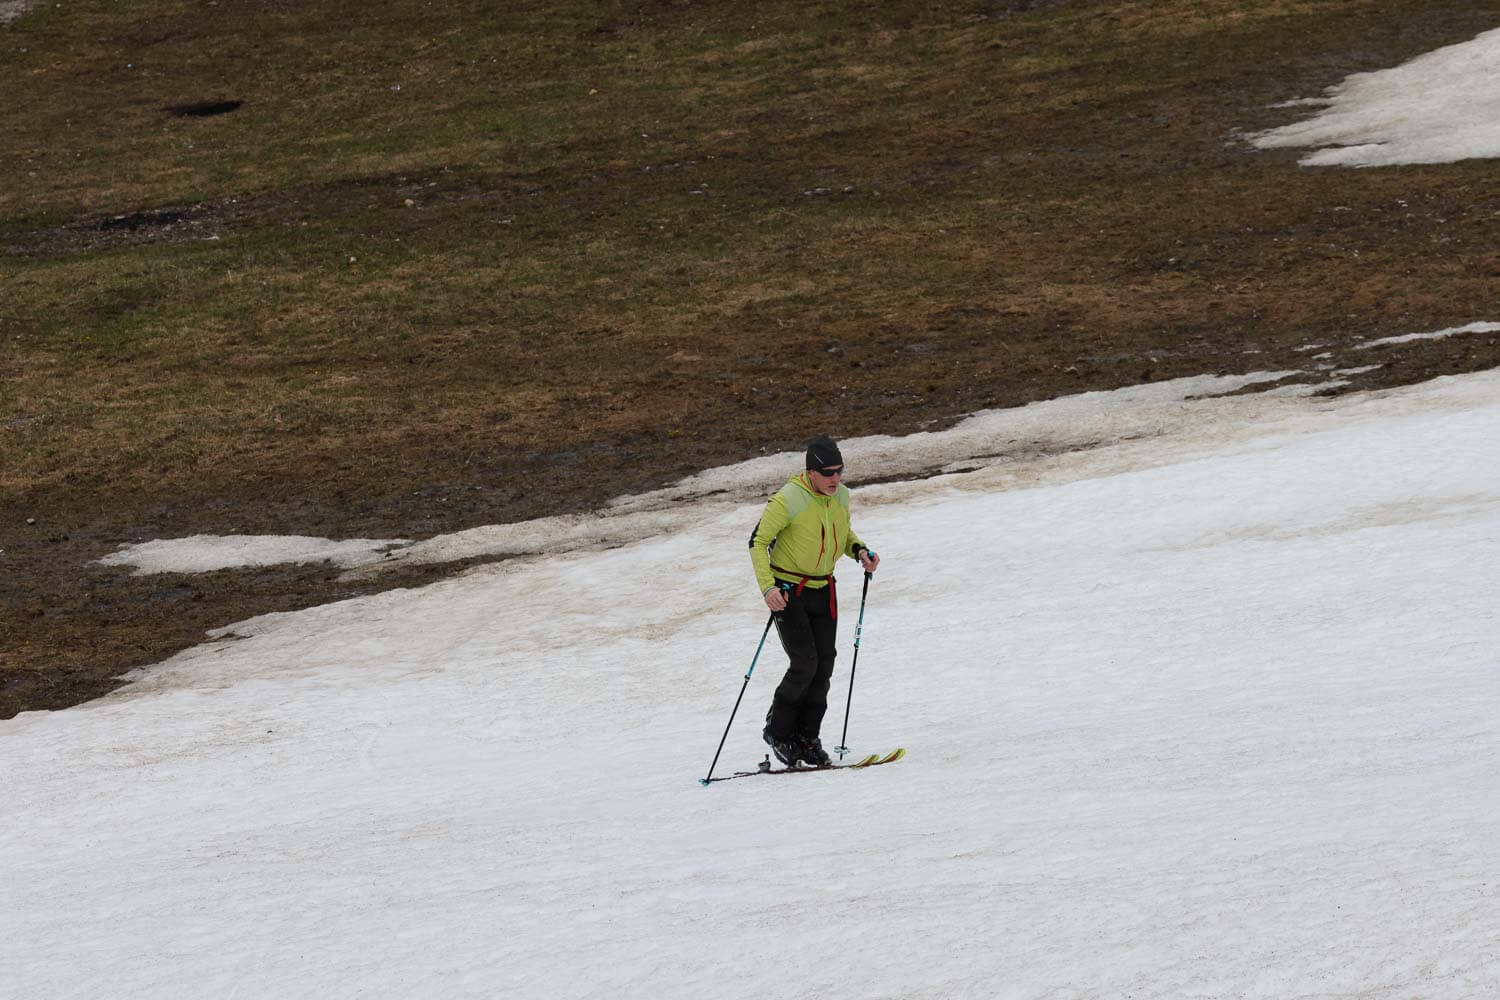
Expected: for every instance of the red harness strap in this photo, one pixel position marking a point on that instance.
(833, 593)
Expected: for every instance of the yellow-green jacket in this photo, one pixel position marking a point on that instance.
(800, 534)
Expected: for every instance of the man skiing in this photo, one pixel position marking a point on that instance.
(800, 536)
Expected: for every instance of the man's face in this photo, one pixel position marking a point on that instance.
(826, 481)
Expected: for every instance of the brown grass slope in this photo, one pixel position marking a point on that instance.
(450, 264)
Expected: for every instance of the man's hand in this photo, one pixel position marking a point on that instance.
(869, 560)
(776, 599)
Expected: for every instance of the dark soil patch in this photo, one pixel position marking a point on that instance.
(164, 225)
(204, 109)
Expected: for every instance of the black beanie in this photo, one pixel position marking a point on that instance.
(823, 452)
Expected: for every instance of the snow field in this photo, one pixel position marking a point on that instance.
(1217, 720)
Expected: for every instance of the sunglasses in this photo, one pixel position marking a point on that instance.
(830, 473)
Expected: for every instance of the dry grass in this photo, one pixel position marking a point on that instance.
(518, 260)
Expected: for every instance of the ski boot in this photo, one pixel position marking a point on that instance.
(813, 753)
(789, 752)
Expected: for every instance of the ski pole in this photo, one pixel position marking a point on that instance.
(843, 746)
(710, 777)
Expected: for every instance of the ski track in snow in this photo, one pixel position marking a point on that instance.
(1215, 719)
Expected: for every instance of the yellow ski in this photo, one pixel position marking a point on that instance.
(871, 760)
(876, 758)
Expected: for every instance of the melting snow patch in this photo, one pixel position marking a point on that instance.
(1300, 390)
(1437, 108)
(1063, 424)
(1433, 335)
(206, 553)
(1088, 421)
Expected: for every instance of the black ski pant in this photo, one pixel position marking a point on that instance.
(808, 627)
